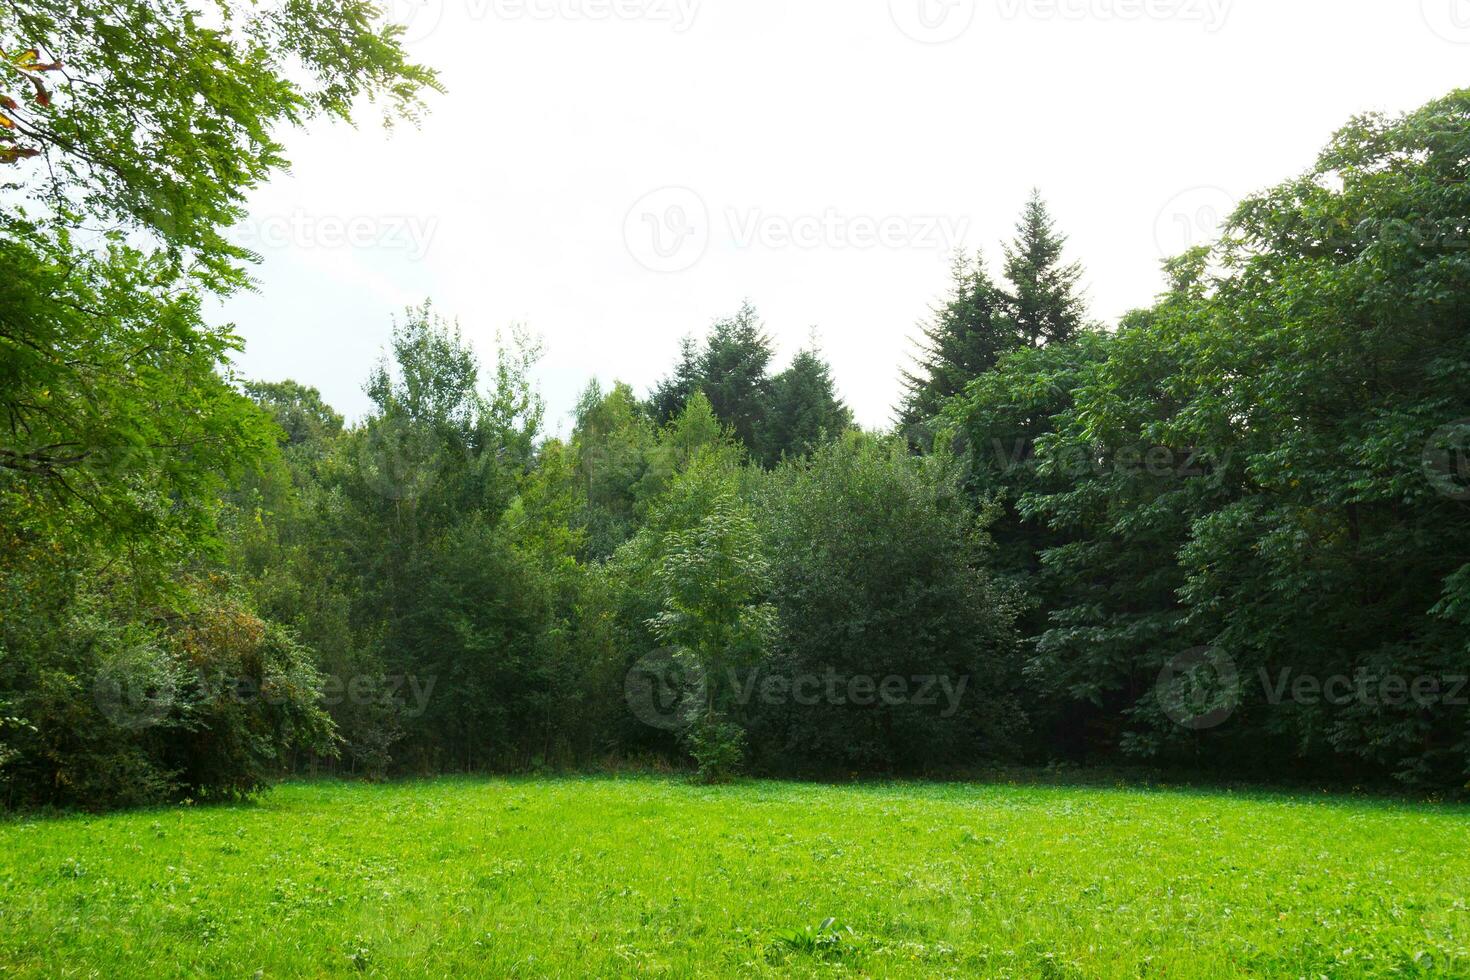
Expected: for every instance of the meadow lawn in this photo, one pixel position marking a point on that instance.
(575, 877)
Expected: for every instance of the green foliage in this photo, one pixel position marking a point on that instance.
(710, 579)
(1044, 302)
(304, 419)
(771, 416)
(1251, 466)
(880, 573)
(118, 427)
(733, 373)
(964, 338)
(196, 697)
(131, 134)
(718, 748)
(206, 582)
(982, 322)
(805, 411)
(167, 118)
(613, 449)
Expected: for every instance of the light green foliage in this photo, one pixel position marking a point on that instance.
(112, 402)
(163, 116)
(132, 133)
(710, 580)
(658, 878)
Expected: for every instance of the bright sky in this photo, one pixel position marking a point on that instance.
(617, 173)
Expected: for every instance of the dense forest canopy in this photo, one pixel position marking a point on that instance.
(1230, 534)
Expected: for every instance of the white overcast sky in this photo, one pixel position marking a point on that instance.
(615, 174)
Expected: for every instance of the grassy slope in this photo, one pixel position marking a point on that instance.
(528, 877)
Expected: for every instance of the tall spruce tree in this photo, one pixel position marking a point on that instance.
(734, 364)
(804, 408)
(1044, 301)
(672, 393)
(965, 336)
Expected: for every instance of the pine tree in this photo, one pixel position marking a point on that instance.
(1044, 300)
(964, 338)
(733, 371)
(672, 393)
(804, 408)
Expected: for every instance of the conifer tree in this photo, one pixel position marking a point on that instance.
(1043, 301)
(733, 368)
(965, 337)
(672, 393)
(804, 408)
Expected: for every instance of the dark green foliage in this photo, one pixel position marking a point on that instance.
(1043, 301)
(613, 448)
(804, 411)
(963, 339)
(981, 322)
(673, 393)
(1251, 466)
(771, 416)
(879, 578)
(732, 374)
(189, 695)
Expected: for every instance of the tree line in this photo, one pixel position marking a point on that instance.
(1229, 534)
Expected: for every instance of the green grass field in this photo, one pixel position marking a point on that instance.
(604, 877)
